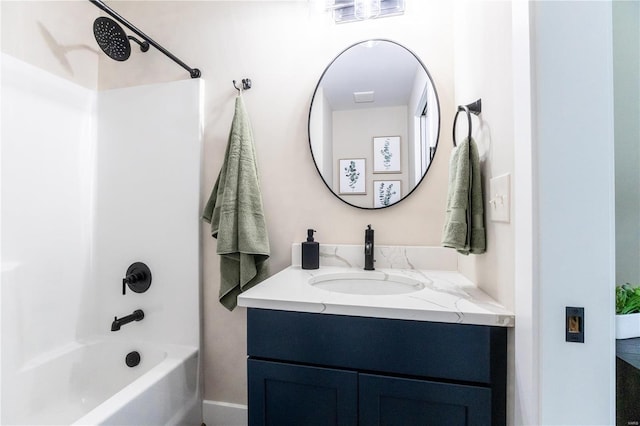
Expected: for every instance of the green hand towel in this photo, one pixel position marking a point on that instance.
(235, 213)
(464, 221)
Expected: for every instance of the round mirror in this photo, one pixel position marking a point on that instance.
(374, 124)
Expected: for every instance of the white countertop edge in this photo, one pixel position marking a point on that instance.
(379, 312)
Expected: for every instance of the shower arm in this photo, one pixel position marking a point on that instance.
(194, 72)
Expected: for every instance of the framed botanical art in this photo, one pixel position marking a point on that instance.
(386, 192)
(386, 154)
(352, 176)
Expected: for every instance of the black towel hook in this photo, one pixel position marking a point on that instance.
(474, 108)
(246, 85)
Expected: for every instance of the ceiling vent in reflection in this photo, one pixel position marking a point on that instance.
(363, 97)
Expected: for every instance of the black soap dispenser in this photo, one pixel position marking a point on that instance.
(310, 252)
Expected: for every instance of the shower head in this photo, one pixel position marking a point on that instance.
(112, 39)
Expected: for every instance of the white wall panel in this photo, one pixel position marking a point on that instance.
(148, 207)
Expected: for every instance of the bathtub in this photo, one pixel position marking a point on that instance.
(89, 383)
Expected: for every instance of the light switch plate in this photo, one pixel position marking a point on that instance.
(500, 198)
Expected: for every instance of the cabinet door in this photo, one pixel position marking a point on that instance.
(285, 394)
(395, 401)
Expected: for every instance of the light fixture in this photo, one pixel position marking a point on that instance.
(357, 10)
(366, 9)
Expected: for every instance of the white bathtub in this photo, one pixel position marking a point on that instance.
(90, 384)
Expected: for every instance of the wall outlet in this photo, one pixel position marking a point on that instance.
(500, 198)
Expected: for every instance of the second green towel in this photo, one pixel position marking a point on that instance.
(464, 221)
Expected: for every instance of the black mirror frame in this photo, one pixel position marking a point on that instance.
(315, 91)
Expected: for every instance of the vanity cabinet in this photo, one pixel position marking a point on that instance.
(320, 369)
(289, 394)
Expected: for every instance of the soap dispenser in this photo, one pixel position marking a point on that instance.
(310, 252)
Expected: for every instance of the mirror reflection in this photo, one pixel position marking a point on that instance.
(374, 124)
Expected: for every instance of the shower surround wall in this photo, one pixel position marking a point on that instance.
(147, 208)
(92, 182)
(48, 143)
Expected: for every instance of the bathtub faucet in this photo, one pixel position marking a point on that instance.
(137, 315)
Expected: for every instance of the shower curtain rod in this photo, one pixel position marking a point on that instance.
(195, 72)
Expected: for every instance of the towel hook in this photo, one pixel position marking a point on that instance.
(246, 85)
(474, 108)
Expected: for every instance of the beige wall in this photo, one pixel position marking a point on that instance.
(54, 35)
(284, 48)
(483, 69)
(353, 133)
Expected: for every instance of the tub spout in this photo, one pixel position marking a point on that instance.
(137, 315)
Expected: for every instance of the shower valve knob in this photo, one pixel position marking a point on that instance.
(137, 278)
(134, 278)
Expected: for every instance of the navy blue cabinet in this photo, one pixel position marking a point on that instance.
(399, 401)
(318, 369)
(294, 395)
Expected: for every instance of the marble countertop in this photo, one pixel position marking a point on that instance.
(447, 295)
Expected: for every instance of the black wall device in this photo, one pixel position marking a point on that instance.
(574, 326)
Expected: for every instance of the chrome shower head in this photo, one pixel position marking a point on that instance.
(112, 39)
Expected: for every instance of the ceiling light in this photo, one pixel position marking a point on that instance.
(366, 9)
(357, 10)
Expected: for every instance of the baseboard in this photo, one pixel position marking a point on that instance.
(216, 413)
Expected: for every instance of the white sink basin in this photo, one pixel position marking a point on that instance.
(366, 283)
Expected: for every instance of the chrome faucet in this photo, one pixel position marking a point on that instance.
(368, 249)
(137, 315)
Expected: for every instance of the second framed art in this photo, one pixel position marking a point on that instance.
(352, 176)
(386, 154)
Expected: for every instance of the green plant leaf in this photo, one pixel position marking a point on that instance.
(627, 299)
